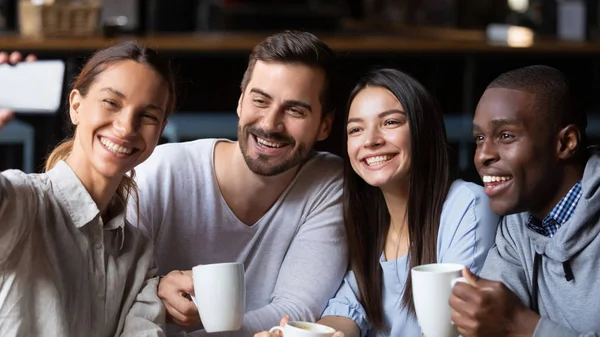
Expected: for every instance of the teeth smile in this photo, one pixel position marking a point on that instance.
(494, 179)
(115, 148)
(378, 159)
(267, 143)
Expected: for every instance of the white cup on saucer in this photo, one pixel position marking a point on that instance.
(304, 329)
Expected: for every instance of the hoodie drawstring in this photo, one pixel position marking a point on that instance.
(568, 272)
(535, 288)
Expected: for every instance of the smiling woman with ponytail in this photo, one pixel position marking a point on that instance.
(70, 263)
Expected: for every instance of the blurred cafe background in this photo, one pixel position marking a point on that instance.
(454, 47)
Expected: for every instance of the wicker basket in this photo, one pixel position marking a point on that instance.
(59, 19)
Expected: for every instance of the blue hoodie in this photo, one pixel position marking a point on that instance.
(567, 267)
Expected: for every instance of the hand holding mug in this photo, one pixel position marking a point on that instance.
(488, 308)
(173, 290)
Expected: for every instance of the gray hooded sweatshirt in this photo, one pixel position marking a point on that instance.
(568, 265)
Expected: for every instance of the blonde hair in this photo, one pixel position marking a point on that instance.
(94, 67)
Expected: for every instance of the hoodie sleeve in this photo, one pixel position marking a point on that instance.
(547, 328)
(504, 262)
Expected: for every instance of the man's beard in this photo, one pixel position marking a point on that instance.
(262, 165)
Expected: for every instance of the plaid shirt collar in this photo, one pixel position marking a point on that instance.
(560, 214)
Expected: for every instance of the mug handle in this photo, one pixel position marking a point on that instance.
(194, 300)
(459, 279)
(276, 328)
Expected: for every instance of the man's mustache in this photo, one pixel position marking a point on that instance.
(275, 136)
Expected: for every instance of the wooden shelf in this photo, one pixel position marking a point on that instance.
(431, 42)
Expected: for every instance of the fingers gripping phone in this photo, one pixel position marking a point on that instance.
(32, 87)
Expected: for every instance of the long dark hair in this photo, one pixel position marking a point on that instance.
(366, 216)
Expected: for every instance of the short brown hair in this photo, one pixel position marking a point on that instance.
(295, 47)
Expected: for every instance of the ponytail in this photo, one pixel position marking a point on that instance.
(128, 188)
(61, 152)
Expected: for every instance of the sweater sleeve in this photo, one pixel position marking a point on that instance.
(346, 304)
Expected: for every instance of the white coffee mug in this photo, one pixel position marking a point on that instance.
(220, 295)
(304, 329)
(432, 287)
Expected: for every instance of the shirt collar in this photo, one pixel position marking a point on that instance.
(559, 215)
(117, 212)
(79, 204)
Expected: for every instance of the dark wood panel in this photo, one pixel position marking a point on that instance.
(428, 41)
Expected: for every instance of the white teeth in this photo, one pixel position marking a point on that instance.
(267, 143)
(493, 179)
(114, 147)
(378, 159)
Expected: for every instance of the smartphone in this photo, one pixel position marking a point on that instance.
(32, 87)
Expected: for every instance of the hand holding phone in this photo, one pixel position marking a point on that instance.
(16, 57)
(5, 117)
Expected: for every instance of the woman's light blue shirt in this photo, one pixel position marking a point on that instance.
(466, 233)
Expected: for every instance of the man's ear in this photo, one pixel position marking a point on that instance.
(569, 139)
(74, 104)
(325, 127)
